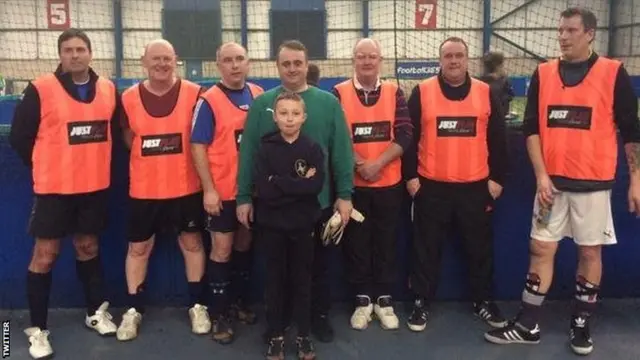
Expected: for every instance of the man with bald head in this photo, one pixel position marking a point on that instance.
(378, 119)
(164, 190)
(217, 128)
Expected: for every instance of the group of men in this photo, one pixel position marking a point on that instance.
(192, 152)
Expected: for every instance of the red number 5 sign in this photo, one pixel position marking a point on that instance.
(426, 14)
(58, 14)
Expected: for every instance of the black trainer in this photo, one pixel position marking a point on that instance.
(321, 328)
(242, 313)
(305, 348)
(580, 336)
(276, 349)
(513, 333)
(419, 315)
(222, 330)
(490, 313)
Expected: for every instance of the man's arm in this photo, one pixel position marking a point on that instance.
(402, 132)
(248, 147)
(127, 133)
(202, 135)
(25, 125)
(497, 142)
(625, 108)
(116, 126)
(341, 155)
(531, 126)
(410, 156)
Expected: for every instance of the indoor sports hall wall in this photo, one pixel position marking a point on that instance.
(410, 32)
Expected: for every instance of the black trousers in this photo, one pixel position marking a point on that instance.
(370, 246)
(439, 207)
(289, 267)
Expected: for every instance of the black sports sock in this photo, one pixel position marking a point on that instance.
(241, 261)
(195, 293)
(532, 301)
(38, 290)
(218, 276)
(586, 297)
(137, 300)
(90, 274)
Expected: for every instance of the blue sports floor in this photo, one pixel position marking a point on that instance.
(453, 333)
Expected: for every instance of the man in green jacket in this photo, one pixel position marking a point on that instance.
(326, 125)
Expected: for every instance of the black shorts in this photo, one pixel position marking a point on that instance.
(149, 217)
(55, 216)
(227, 221)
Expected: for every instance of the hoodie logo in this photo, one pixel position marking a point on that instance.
(301, 167)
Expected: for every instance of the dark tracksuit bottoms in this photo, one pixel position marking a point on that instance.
(439, 208)
(370, 246)
(287, 210)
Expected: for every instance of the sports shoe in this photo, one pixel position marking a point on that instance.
(200, 321)
(385, 313)
(241, 312)
(362, 314)
(39, 346)
(305, 348)
(276, 349)
(581, 342)
(222, 330)
(490, 313)
(513, 333)
(321, 328)
(128, 329)
(101, 321)
(419, 316)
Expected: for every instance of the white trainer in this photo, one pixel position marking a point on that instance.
(39, 346)
(101, 321)
(200, 321)
(361, 317)
(128, 329)
(385, 313)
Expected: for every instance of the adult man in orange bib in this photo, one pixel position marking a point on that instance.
(574, 105)
(164, 189)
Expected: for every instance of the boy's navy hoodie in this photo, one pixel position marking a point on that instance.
(285, 198)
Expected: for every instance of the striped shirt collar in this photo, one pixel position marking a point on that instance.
(359, 86)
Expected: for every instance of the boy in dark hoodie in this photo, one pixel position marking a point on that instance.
(289, 176)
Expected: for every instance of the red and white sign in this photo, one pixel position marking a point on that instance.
(426, 14)
(58, 15)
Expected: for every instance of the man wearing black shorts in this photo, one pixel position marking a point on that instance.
(164, 188)
(63, 130)
(215, 137)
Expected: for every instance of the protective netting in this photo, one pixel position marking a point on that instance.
(409, 30)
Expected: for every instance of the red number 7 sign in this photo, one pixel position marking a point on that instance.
(426, 14)
(58, 14)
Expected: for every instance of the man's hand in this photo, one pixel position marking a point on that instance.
(344, 207)
(495, 189)
(634, 197)
(413, 186)
(244, 213)
(546, 190)
(212, 203)
(357, 160)
(369, 170)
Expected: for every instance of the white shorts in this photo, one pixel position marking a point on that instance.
(585, 217)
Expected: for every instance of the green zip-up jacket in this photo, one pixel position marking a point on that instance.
(325, 124)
